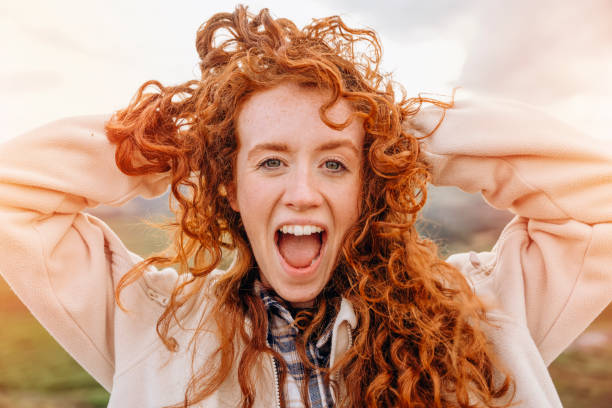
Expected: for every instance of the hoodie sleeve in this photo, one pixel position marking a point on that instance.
(550, 269)
(61, 262)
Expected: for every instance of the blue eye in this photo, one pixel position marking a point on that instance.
(334, 165)
(270, 163)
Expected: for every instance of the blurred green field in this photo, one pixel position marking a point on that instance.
(36, 372)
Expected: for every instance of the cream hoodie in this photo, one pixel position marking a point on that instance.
(548, 276)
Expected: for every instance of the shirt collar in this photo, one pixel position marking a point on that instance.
(280, 312)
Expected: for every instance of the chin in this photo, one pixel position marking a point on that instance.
(301, 298)
(299, 294)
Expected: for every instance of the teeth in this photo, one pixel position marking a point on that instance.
(300, 229)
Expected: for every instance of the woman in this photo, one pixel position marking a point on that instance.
(293, 153)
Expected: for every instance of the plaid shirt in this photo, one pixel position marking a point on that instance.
(282, 335)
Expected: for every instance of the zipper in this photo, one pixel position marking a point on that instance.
(276, 383)
(334, 375)
(350, 334)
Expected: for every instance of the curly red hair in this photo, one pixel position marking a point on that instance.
(419, 341)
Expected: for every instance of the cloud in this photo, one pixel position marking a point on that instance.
(409, 18)
(55, 37)
(30, 81)
(541, 51)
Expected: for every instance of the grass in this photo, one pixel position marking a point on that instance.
(583, 373)
(36, 372)
(583, 377)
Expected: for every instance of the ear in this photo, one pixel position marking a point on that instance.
(229, 192)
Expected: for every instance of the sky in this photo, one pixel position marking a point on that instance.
(66, 57)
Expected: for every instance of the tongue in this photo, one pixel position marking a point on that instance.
(299, 251)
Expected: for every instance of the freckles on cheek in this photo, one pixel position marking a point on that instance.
(251, 195)
(252, 202)
(243, 188)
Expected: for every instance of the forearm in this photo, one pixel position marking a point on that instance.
(520, 159)
(61, 262)
(67, 166)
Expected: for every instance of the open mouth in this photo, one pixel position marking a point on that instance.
(300, 246)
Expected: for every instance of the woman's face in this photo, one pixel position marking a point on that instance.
(297, 186)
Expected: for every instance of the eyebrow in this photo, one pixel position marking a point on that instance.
(282, 147)
(334, 144)
(276, 147)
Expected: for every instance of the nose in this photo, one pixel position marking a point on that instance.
(302, 192)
